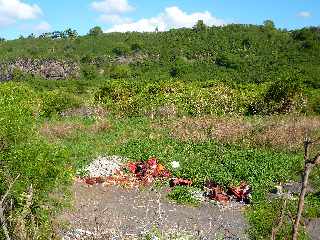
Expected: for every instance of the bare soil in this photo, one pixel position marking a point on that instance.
(102, 212)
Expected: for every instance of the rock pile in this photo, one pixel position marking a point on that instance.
(46, 68)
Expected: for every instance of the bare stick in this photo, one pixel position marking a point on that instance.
(309, 165)
(276, 229)
(2, 217)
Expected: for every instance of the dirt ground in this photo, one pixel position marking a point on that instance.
(102, 212)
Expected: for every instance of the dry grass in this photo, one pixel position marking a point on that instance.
(165, 111)
(288, 132)
(276, 132)
(205, 128)
(99, 127)
(60, 130)
(84, 111)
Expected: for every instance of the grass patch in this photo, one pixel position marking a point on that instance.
(184, 195)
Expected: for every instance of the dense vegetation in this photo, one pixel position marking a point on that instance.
(145, 82)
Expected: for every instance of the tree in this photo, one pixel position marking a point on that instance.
(71, 33)
(269, 24)
(200, 26)
(95, 31)
(31, 36)
(2, 39)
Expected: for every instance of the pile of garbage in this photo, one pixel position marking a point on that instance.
(126, 175)
(115, 171)
(241, 193)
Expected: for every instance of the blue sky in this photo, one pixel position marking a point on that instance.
(26, 16)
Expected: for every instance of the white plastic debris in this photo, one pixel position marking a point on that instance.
(104, 166)
(175, 164)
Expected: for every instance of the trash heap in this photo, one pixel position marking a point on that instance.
(112, 171)
(131, 174)
(241, 193)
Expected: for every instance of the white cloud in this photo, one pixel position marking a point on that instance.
(172, 17)
(42, 27)
(304, 14)
(12, 10)
(112, 6)
(114, 19)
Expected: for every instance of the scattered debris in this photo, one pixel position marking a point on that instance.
(113, 171)
(104, 166)
(175, 164)
(239, 194)
(179, 182)
(214, 192)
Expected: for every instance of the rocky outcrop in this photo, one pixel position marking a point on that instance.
(46, 68)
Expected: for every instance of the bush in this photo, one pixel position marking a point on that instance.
(56, 101)
(280, 97)
(16, 113)
(120, 51)
(120, 71)
(18, 75)
(41, 167)
(180, 67)
(89, 72)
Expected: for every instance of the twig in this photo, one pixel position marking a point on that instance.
(2, 217)
(276, 229)
(309, 165)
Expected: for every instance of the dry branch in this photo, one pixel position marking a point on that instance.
(276, 229)
(2, 210)
(309, 165)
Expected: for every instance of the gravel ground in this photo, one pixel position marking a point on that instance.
(313, 227)
(116, 213)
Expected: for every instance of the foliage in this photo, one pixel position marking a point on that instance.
(96, 31)
(89, 72)
(183, 195)
(56, 101)
(39, 165)
(120, 71)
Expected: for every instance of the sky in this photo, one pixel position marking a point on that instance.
(22, 17)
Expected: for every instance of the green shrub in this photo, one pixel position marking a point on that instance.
(42, 168)
(280, 97)
(120, 71)
(179, 67)
(136, 47)
(183, 195)
(95, 31)
(121, 50)
(18, 75)
(314, 101)
(89, 72)
(16, 112)
(56, 101)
